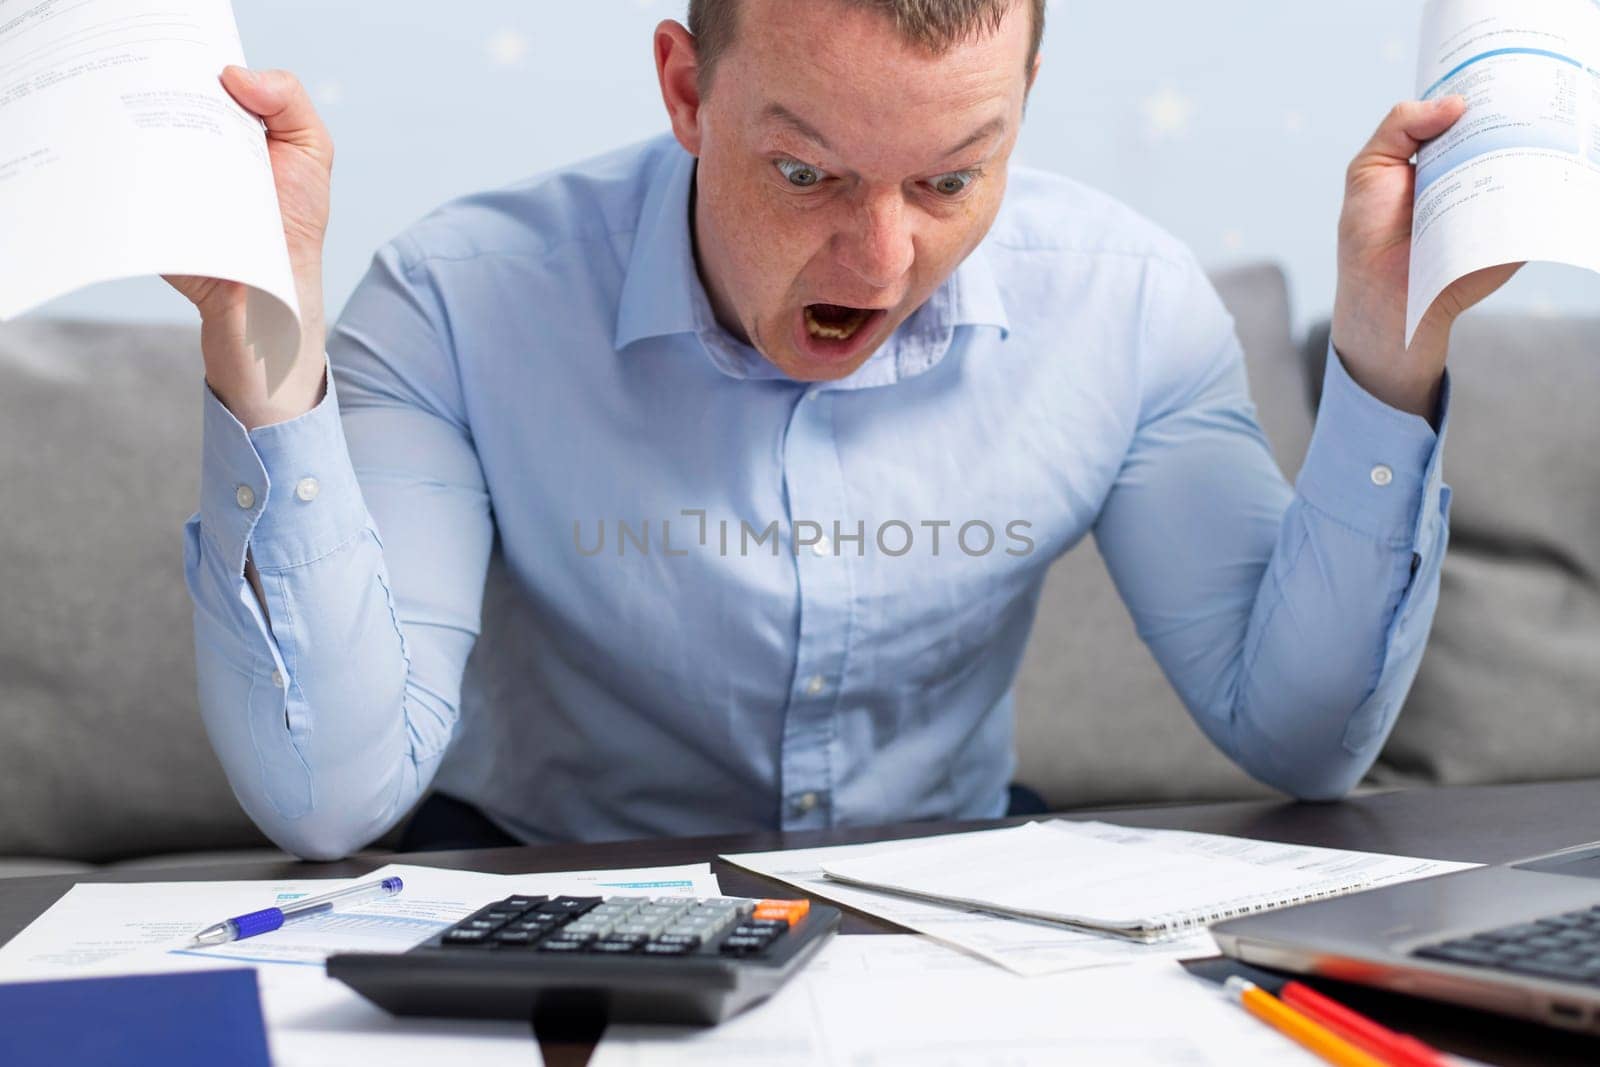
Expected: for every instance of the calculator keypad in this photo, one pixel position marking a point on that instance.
(626, 926)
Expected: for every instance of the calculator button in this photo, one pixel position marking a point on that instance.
(635, 929)
(791, 910)
(746, 930)
(661, 948)
(777, 926)
(521, 903)
(515, 937)
(482, 924)
(714, 907)
(577, 905)
(568, 937)
(552, 944)
(466, 937)
(616, 945)
(742, 946)
(662, 910)
(688, 941)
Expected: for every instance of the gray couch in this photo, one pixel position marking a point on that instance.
(103, 758)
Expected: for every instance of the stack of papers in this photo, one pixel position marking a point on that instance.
(1140, 885)
(1035, 946)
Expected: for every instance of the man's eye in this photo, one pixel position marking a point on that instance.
(800, 175)
(952, 184)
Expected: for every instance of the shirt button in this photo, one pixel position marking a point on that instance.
(822, 547)
(815, 684)
(1382, 475)
(307, 489)
(804, 802)
(277, 679)
(245, 497)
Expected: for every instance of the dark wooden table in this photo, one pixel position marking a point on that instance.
(1486, 824)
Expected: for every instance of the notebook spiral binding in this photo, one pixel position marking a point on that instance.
(1179, 922)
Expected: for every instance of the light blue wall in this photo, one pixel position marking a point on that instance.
(1230, 122)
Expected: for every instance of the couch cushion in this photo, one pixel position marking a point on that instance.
(1097, 720)
(29, 867)
(102, 753)
(1509, 689)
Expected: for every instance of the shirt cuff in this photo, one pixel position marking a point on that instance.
(1374, 467)
(286, 493)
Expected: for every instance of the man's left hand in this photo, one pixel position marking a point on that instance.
(1369, 310)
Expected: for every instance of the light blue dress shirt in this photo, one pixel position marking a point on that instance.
(719, 599)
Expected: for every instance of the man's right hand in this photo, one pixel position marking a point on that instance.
(302, 163)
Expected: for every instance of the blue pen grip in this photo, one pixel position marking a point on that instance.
(257, 922)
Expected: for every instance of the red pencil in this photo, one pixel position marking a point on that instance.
(1395, 1050)
(1400, 1050)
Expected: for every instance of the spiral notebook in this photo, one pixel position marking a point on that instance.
(1137, 884)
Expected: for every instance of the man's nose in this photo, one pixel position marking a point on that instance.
(877, 245)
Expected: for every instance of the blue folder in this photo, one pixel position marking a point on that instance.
(192, 1019)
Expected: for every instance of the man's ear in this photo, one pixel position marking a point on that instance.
(678, 70)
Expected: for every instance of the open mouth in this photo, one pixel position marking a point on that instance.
(834, 322)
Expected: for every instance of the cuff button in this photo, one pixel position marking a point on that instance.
(245, 497)
(1382, 475)
(307, 489)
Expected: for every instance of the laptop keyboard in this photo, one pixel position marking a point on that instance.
(1564, 947)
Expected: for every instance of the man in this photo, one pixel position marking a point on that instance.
(778, 424)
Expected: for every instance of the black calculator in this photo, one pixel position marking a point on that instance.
(571, 964)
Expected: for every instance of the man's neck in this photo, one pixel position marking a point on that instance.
(721, 306)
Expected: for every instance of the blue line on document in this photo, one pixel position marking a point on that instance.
(1500, 52)
(244, 959)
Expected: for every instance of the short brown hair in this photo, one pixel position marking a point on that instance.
(937, 25)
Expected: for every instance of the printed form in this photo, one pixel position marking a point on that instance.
(899, 1001)
(122, 155)
(1517, 178)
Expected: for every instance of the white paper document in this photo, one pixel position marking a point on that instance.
(1517, 178)
(108, 928)
(1026, 948)
(122, 155)
(112, 928)
(896, 1001)
(1036, 948)
(1150, 885)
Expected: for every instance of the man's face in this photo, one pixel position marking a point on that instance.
(844, 173)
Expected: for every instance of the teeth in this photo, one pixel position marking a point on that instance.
(835, 333)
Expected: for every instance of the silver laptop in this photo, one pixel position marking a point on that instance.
(1519, 938)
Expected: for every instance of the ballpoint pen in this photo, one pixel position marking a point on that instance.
(267, 919)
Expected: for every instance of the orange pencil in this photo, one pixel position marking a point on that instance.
(1309, 1033)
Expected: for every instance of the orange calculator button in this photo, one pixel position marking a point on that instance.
(792, 910)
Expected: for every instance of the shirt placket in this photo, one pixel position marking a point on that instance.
(824, 572)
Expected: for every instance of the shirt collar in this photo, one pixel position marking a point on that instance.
(662, 294)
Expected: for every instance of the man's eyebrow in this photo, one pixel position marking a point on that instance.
(993, 126)
(780, 114)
